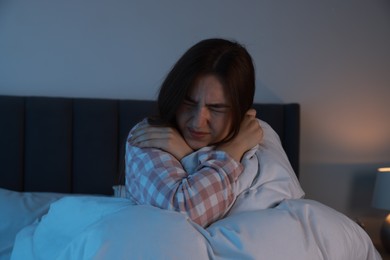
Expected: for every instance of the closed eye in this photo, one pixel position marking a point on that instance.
(219, 108)
(189, 102)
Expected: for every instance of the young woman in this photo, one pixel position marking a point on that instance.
(187, 158)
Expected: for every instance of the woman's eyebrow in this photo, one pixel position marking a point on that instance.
(190, 100)
(216, 105)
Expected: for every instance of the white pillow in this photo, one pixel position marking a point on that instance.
(19, 209)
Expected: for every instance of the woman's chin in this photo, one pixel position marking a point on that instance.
(196, 145)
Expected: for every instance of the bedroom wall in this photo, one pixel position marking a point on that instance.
(332, 57)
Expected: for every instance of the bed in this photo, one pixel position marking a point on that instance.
(61, 192)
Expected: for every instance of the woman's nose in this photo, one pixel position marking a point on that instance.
(200, 117)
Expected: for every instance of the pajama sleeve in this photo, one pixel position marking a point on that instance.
(155, 177)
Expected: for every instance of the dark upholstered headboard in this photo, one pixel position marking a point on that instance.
(76, 145)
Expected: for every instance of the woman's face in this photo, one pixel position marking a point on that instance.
(204, 118)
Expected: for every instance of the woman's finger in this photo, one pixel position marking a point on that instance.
(251, 112)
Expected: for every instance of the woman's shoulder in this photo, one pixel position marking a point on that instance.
(139, 124)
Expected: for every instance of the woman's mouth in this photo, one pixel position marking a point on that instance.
(197, 134)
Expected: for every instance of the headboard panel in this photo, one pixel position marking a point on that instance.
(76, 145)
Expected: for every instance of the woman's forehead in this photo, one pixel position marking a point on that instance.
(209, 89)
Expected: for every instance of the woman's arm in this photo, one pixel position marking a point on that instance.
(157, 178)
(155, 175)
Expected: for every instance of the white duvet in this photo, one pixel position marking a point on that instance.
(269, 220)
(113, 228)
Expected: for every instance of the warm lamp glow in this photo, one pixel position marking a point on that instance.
(381, 196)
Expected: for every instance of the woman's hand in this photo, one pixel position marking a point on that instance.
(164, 138)
(250, 135)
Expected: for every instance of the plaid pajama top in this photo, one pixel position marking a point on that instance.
(201, 185)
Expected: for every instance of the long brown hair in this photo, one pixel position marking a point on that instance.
(228, 61)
